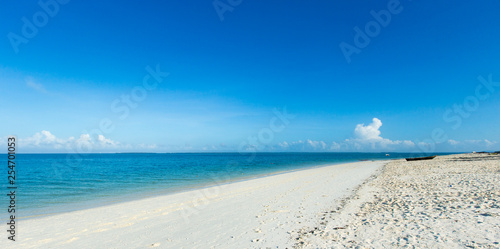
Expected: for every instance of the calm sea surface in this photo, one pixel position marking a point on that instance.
(53, 183)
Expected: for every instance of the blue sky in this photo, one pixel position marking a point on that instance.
(412, 85)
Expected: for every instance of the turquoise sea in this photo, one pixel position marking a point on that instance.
(54, 183)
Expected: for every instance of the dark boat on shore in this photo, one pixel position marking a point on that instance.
(420, 158)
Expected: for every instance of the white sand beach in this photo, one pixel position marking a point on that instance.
(448, 202)
(263, 212)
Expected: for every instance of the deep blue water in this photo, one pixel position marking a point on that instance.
(51, 183)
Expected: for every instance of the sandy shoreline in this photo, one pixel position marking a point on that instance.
(449, 202)
(262, 212)
(220, 182)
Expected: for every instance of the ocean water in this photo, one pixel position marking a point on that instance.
(54, 183)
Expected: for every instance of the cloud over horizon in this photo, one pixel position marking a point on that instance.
(370, 135)
(46, 141)
(369, 132)
(366, 138)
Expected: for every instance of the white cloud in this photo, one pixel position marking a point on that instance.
(316, 144)
(42, 138)
(106, 141)
(307, 145)
(485, 142)
(45, 140)
(84, 138)
(30, 82)
(473, 141)
(335, 146)
(369, 132)
(366, 138)
(209, 148)
(472, 145)
(283, 145)
(424, 144)
(409, 143)
(147, 146)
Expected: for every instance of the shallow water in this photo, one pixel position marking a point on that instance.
(54, 183)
